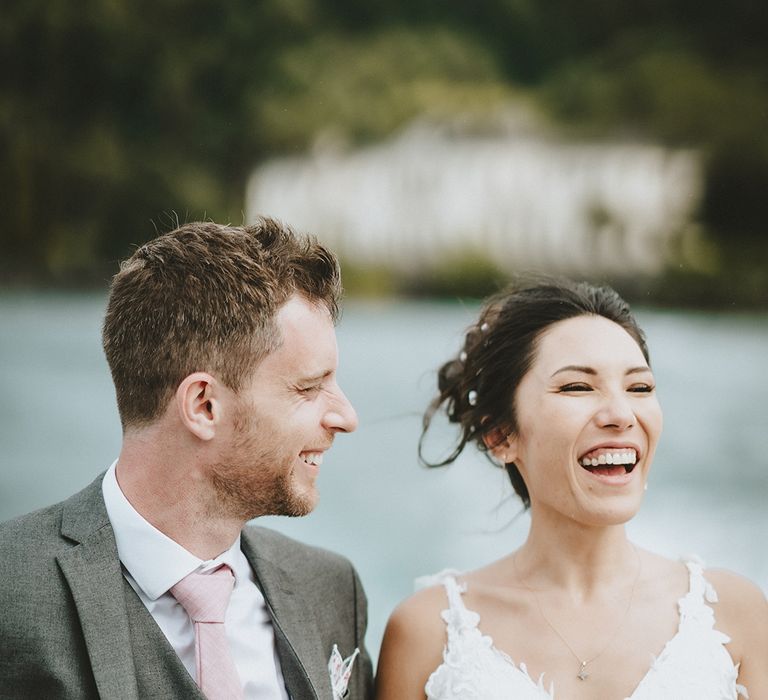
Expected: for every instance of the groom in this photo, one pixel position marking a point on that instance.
(148, 583)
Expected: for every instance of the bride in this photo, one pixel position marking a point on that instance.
(554, 382)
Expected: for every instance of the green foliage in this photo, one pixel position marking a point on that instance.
(368, 280)
(114, 114)
(365, 87)
(668, 93)
(684, 98)
(470, 274)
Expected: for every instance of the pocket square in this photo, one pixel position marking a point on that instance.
(340, 671)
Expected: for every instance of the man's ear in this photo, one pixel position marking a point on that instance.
(198, 404)
(501, 444)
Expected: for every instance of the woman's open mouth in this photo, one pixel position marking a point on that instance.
(610, 461)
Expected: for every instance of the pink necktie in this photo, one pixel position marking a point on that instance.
(205, 597)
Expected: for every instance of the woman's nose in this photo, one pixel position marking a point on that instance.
(616, 413)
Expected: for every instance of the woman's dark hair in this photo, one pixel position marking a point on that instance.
(477, 388)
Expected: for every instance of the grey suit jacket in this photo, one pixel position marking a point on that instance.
(72, 627)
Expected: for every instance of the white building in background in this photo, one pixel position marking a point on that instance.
(526, 201)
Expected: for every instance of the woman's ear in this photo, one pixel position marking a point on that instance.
(198, 404)
(502, 444)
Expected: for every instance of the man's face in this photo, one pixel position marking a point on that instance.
(285, 418)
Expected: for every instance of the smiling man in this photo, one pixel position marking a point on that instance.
(148, 583)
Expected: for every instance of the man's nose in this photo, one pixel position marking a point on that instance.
(341, 416)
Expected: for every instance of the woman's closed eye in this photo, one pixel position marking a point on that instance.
(642, 388)
(575, 386)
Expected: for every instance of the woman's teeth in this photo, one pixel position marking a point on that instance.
(614, 457)
(313, 458)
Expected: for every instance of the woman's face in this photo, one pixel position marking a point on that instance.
(588, 422)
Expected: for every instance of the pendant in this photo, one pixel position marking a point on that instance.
(582, 675)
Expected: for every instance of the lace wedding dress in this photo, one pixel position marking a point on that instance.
(694, 664)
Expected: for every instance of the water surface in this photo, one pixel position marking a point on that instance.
(394, 519)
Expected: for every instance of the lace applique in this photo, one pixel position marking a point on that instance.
(694, 664)
(472, 668)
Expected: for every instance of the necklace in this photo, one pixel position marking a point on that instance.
(582, 674)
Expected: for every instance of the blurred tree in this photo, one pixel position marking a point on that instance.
(115, 113)
(362, 88)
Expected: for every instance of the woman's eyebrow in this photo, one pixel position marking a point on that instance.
(592, 371)
(636, 370)
(575, 368)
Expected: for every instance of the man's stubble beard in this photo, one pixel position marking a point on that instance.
(250, 482)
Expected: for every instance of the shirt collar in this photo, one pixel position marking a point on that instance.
(154, 560)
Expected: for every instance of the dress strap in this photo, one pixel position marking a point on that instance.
(454, 590)
(457, 617)
(694, 610)
(693, 605)
(699, 587)
(434, 579)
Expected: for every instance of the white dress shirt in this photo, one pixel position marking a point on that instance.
(153, 563)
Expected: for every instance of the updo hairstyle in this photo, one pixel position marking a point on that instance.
(477, 388)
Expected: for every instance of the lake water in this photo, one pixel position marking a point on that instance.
(395, 520)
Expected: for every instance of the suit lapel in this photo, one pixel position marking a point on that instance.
(296, 634)
(92, 571)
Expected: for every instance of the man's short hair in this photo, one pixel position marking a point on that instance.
(203, 298)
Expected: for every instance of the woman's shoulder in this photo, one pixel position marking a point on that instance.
(420, 613)
(413, 644)
(734, 588)
(741, 604)
(736, 598)
(741, 612)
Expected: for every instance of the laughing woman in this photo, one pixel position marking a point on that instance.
(554, 382)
